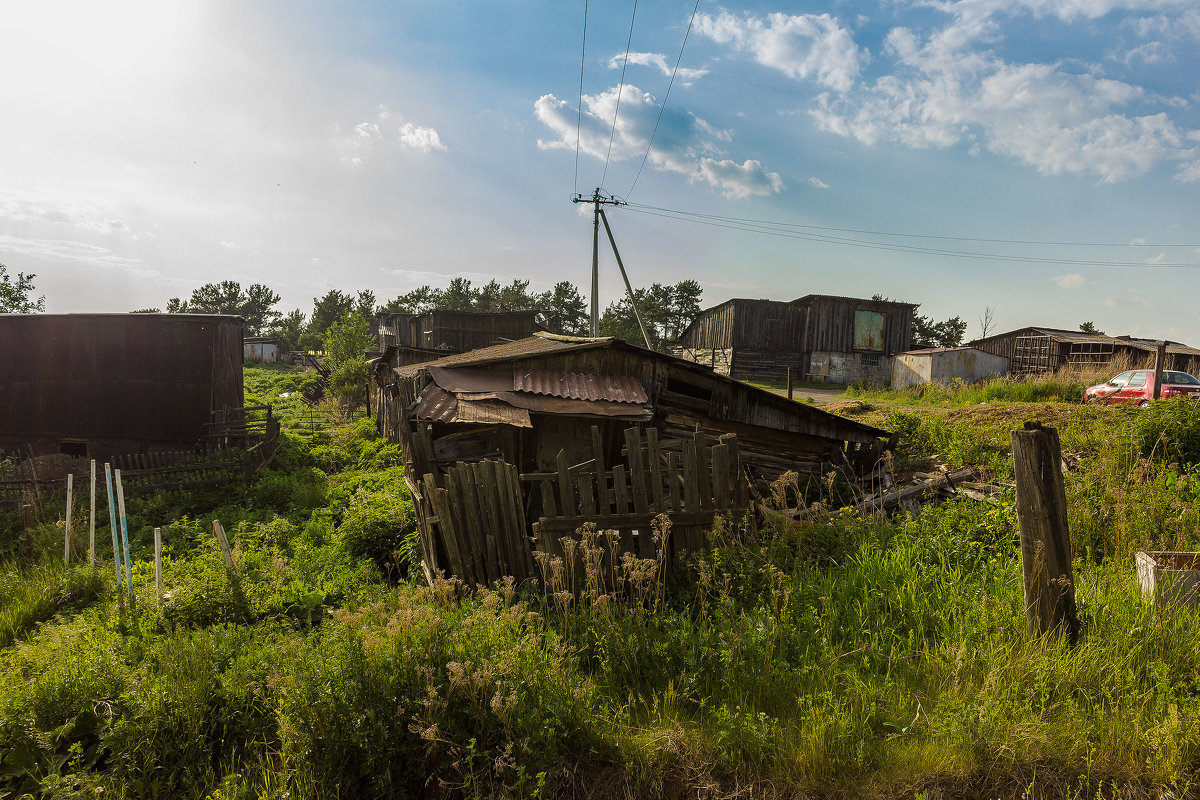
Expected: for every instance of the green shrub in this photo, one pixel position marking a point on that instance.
(380, 525)
(1169, 430)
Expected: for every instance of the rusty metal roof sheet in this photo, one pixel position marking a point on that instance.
(577, 386)
(438, 405)
(560, 405)
(536, 345)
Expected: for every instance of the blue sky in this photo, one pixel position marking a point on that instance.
(153, 146)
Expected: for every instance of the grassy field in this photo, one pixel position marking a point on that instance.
(859, 658)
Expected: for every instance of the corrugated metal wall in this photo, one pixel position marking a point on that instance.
(131, 378)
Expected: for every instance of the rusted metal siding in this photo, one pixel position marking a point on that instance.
(116, 381)
(943, 365)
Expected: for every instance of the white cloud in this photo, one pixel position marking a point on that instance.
(683, 75)
(1158, 259)
(948, 89)
(420, 137)
(366, 139)
(817, 182)
(800, 45)
(1072, 280)
(684, 143)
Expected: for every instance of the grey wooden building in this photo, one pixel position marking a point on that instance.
(1037, 350)
(820, 337)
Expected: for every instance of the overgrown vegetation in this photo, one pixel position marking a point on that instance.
(856, 658)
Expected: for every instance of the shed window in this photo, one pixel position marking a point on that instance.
(871, 359)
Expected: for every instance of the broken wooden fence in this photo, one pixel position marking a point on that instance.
(478, 519)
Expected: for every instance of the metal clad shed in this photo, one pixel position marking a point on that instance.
(98, 384)
(945, 364)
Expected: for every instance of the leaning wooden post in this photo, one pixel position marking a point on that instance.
(67, 521)
(223, 543)
(112, 526)
(790, 384)
(1045, 539)
(124, 534)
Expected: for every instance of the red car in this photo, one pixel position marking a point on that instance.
(1136, 387)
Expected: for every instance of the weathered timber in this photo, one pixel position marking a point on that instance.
(1045, 538)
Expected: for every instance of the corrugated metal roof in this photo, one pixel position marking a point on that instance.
(933, 350)
(509, 351)
(805, 419)
(619, 389)
(438, 405)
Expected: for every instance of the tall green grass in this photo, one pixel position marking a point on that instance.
(852, 657)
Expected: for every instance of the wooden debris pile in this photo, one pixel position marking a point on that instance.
(929, 487)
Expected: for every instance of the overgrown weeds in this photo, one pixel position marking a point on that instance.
(850, 657)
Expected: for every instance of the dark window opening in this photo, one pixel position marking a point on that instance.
(871, 360)
(689, 389)
(75, 448)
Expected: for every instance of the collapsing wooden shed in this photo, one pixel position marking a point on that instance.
(511, 447)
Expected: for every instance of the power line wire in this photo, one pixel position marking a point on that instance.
(620, 90)
(666, 96)
(772, 223)
(579, 108)
(749, 227)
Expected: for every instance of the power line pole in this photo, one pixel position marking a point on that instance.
(597, 200)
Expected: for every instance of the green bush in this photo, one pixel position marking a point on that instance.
(1169, 430)
(380, 525)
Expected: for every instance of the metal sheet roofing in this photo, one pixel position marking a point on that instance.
(438, 405)
(578, 386)
(509, 351)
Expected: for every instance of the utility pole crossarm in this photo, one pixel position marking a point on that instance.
(597, 199)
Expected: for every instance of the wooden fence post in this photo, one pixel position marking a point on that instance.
(1160, 357)
(158, 565)
(27, 514)
(92, 520)
(223, 543)
(67, 521)
(789, 381)
(1045, 539)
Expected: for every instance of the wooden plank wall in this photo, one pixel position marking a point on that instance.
(830, 324)
(689, 480)
(473, 522)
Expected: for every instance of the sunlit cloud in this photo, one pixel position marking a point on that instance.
(684, 143)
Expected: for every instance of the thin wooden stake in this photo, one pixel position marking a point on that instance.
(112, 525)
(67, 521)
(158, 565)
(92, 520)
(124, 534)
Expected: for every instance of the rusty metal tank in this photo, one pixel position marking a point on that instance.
(99, 384)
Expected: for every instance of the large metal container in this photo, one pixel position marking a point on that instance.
(99, 384)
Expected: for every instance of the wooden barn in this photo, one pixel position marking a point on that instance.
(820, 337)
(456, 331)
(1036, 350)
(541, 435)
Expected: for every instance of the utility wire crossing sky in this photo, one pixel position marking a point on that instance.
(1039, 157)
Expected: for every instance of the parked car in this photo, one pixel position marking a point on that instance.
(1136, 387)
